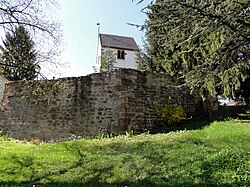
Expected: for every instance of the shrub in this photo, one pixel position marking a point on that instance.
(170, 114)
(3, 136)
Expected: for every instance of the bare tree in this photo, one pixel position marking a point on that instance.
(36, 17)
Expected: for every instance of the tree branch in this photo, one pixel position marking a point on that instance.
(217, 17)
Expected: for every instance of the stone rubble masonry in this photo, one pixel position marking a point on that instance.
(86, 106)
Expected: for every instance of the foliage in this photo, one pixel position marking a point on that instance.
(203, 43)
(171, 114)
(129, 134)
(244, 90)
(211, 156)
(19, 58)
(108, 59)
(144, 60)
(35, 16)
(3, 136)
(102, 136)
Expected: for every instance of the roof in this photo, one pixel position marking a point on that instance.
(122, 42)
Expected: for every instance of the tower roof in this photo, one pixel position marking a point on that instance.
(119, 42)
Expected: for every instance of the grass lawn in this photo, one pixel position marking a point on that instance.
(216, 155)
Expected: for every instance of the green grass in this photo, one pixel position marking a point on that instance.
(217, 155)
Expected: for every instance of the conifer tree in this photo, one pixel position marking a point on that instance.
(205, 43)
(44, 28)
(18, 59)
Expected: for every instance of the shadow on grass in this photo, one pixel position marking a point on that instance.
(132, 158)
(96, 183)
(234, 112)
(224, 113)
(27, 162)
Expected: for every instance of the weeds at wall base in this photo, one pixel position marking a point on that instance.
(4, 136)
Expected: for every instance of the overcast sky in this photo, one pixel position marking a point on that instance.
(80, 18)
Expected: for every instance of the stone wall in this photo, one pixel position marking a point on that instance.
(115, 102)
(3, 81)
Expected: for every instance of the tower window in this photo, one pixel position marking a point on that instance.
(121, 54)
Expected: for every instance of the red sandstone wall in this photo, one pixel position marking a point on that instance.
(114, 102)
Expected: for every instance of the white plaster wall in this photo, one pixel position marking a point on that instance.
(99, 53)
(128, 62)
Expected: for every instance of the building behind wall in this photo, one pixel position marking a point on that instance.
(125, 49)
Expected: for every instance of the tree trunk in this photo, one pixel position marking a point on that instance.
(207, 108)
